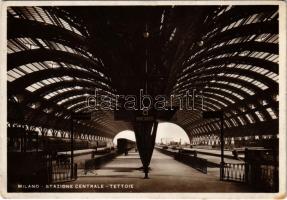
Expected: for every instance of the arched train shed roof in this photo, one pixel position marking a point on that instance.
(57, 56)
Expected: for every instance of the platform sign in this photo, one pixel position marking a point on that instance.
(133, 116)
(144, 115)
(148, 118)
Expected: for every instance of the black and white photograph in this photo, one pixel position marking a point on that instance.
(143, 99)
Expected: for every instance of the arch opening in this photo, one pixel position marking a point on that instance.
(171, 133)
(127, 134)
(167, 133)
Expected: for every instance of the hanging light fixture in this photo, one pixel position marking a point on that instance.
(200, 43)
(146, 33)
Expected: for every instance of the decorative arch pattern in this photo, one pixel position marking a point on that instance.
(57, 57)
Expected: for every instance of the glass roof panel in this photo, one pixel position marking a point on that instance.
(42, 16)
(250, 119)
(271, 113)
(259, 115)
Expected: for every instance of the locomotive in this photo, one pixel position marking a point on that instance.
(124, 145)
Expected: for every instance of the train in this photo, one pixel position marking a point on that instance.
(124, 145)
(51, 144)
(21, 140)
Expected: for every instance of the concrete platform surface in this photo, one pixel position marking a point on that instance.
(167, 175)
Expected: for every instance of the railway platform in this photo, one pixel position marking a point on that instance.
(122, 174)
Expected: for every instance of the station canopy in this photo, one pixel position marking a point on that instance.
(57, 56)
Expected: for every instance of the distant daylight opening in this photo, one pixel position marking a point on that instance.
(168, 133)
(127, 134)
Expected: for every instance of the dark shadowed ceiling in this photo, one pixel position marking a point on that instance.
(57, 56)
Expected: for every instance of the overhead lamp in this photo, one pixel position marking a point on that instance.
(146, 34)
(78, 87)
(200, 43)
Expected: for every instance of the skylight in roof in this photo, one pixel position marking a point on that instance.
(241, 120)
(262, 37)
(76, 104)
(28, 69)
(172, 34)
(228, 91)
(68, 99)
(227, 123)
(34, 87)
(273, 76)
(259, 70)
(234, 122)
(260, 85)
(248, 91)
(250, 118)
(42, 16)
(14, 74)
(217, 99)
(271, 113)
(212, 104)
(259, 115)
(43, 83)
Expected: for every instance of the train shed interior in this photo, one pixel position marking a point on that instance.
(79, 75)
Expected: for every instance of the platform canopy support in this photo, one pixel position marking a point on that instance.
(145, 133)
